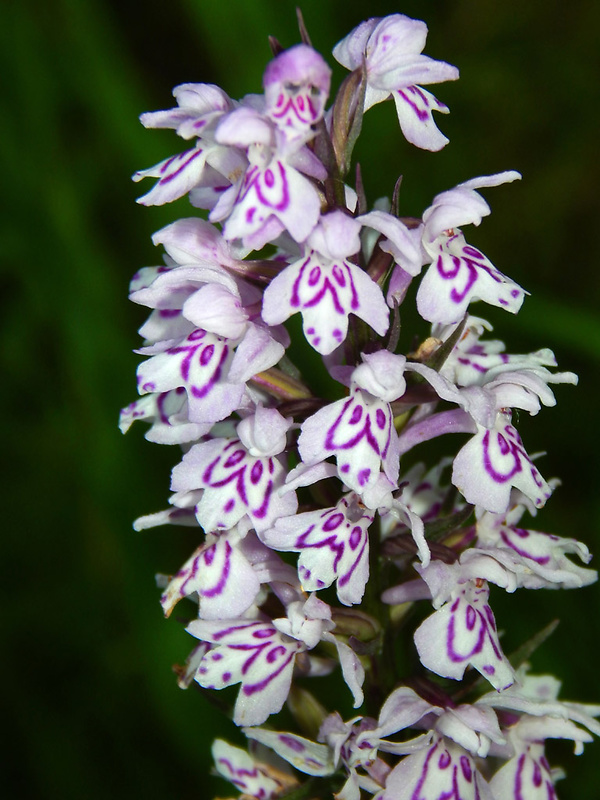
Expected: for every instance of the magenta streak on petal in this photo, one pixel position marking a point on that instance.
(274, 653)
(234, 629)
(256, 471)
(453, 654)
(519, 778)
(250, 689)
(238, 477)
(292, 743)
(290, 106)
(365, 432)
(201, 391)
(169, 313)
(356, 415)
(416, 795)
(455, 295)
(237, 772)
(470, 617)
(338, 275)
(466, 769)
(327, 286)
(471, 252)
(160, 402)
(295, 298)
(334, 521)
(538, 559)
(186, 163)
(206, 354)
(218, 588)
(314, 275)
(234, 459)
(345, 578)
(285, 195)
(363, 476)
(422, 114)
(208, 471)
(183, 590)
(500, 477)
(262, 510)
(537, 774)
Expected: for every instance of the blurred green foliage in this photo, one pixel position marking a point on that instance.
(91, 707)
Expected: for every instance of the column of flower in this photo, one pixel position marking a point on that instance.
(270, 467)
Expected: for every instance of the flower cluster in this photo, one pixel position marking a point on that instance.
(271, 467)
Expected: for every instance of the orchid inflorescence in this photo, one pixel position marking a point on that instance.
(273, 466)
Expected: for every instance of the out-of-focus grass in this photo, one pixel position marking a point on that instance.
(90, 701)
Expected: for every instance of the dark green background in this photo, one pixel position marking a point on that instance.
(91, 708)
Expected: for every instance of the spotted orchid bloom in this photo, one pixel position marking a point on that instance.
(200, 106)
(443, 770)
(474, 361)
(261, 654)
(359, 430)
(462, 631)
(333, 546)
(527, 775)
(296, 85)
(392, 49)
(226, 574)
(459, 273)
(256, 779)
(326, 287)
(492, 463)
(338, 751)
(543, 557)
(239, 476)
(169, 414)
(273, 195)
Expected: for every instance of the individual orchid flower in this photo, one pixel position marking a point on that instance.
(239, 476)
(459, 273)
(492, 463)
(333, 544)
(199, 108)
(392, 51)
(296, 84)
(260, 654)
(326, 287)
(168, 412)
(541, 556)
(359, 430)
(474, 361)
(527, 774)
(257, 779)
(191, 170)
(271, 195)
(338, 751)
(199, 105)
(462, 631)
(226, 574)
(443, 770)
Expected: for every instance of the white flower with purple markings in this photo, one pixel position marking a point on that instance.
(325, 287)
(333, 546)
(460, 273)
(392, 50)
(239, 477)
